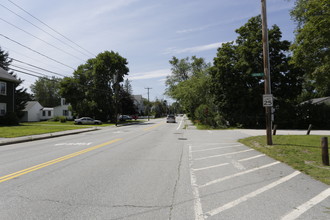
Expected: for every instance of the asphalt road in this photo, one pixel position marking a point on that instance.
(153, 171)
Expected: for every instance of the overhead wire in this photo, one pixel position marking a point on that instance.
(8, 38)
(63, 42)
(52, 28)
(37, 67)
(25, 69)
(41, 39)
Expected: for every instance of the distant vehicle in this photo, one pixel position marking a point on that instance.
(87, 121)
(125, 117)
(170, 119)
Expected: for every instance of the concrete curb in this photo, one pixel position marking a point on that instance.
(8, 141)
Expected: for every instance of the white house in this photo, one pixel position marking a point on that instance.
(63, 110)
(34, 111)
(46, 114)
(138, 101)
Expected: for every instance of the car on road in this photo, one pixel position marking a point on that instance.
(87, 121)
(125, 117)
(170, 119)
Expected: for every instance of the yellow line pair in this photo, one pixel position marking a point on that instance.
(39, 166)
(146, 129)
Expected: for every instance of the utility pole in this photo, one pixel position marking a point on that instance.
(267, 99)
(148, 101)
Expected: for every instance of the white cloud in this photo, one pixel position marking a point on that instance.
(150, 75)
(174, 50)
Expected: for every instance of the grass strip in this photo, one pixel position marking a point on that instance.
(302, 152)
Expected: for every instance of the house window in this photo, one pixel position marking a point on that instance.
(49, 113)
(3, 109)
(65, 113)
(3, 88)
(43, 113)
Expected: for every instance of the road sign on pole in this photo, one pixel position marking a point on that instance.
(267, 100)
(257, 74)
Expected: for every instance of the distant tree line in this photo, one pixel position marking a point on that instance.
(227, 94)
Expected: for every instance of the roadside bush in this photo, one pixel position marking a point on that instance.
(62, 119)
(9, 119)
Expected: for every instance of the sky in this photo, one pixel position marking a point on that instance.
(60, 35)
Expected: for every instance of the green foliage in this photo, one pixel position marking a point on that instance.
(237, 94)
(302, 152)
(9, 119)
(91, 91)
(311, 49)
(47, 91)
(159, 108)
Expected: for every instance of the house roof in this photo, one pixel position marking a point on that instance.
(317, 100)
(30, 104)
(4, 75)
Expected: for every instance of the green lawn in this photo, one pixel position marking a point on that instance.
(33, 128)
(26, 129)
(302, 152)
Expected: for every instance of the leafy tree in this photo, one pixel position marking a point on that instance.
(189, 83)
(182, 70)
(47, 91)
(128, 87)
(237, 94)
(311, 49)
(21, 95)
(126, 101)
(91, 91)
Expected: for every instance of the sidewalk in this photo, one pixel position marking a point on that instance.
(6, 141)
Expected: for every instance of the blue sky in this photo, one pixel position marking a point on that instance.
(147, 33)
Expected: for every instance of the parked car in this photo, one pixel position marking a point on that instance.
(124, 118)
(170, 119)
(87, 121)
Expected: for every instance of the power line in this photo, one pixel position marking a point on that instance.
(37, 67)
(36, 51)
(44, 31)
(51, 28)
(29, 70)
(41, 40)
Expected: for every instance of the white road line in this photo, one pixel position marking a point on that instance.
(179, 124)
(197, 201)
(307, 205)
(250, 158)
(220, 155)
(216, 148)
(206, 168)
(238, 174)
(250, 195)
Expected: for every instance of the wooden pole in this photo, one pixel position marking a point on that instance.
(268, 110)
(325, 151)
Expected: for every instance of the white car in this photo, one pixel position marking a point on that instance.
(170, 119)
(87, 121)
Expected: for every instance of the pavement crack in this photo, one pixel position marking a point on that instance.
(176, 185)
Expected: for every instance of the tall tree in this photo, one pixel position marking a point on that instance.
(311, 49)
(237, 92)
(47, 91)
(95, 85)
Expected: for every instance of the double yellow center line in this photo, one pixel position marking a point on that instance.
(42, 165)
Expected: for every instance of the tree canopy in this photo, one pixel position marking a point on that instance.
(91, 91)
(311, 48)
(47, 91)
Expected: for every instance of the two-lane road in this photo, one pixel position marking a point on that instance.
(154, 170)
